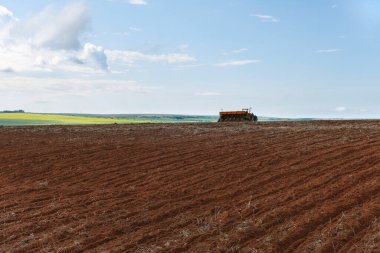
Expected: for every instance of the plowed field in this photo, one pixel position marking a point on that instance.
(145, 188)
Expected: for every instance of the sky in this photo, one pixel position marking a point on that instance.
(290, 58)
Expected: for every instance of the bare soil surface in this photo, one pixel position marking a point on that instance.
(227, 187)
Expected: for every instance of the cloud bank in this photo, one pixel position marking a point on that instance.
(51, 40)
(48, 41)
(68, 86)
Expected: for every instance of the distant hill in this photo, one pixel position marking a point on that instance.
(263, 118)
(168, 118)
(20, 118)
(179, 118)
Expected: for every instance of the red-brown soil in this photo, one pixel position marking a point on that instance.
(228, 187)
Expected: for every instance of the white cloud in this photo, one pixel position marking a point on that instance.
(183, 47)
(7, 21)
(330, 50)
(95, 55)
(138, 2)
(240, 50)
(25, 57)
(50, 41)
(135, 29)
(5, 13)
(237, 63)
(71, 87)
(58, 28)
(265, 18)
(129, 57)
(120, 33)
(341, 109)
(7, 70)
(208, 94)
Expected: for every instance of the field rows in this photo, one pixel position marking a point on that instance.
(264, 187)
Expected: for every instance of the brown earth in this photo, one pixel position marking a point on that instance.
(228, 187)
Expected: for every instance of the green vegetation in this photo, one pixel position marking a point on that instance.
(21, 119)
(12, 119)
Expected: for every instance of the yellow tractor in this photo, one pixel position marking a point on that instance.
(232, 116)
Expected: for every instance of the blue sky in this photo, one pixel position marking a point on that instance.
(289, 58)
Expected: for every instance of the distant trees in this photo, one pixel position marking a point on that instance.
(14, 111)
